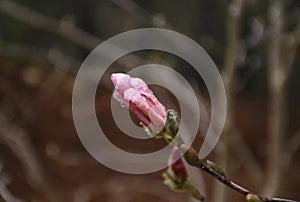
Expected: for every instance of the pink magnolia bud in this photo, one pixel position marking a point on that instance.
(178, 166)
(176, 177)
(134, 94)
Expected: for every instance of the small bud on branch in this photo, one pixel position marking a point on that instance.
(176, 176)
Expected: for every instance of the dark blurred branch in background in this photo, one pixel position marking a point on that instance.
(5, 194)
(41, 55)
(159, 20)
(230, 59)
(277, 73)
(18, 142)
(62, 28)
(140, 13)
(246, 156)
(291, 42)
(292, 147)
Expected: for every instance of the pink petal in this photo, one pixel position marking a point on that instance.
(178, 166)
(138, 83)
(157, 120)
(121, 82)
(139, 114)
(120, 99)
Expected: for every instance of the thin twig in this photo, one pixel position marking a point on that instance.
(191, 157)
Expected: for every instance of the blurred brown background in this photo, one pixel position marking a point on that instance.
(255, 45)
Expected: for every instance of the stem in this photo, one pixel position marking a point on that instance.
(192, 158)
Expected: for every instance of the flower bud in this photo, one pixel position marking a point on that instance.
(252, 198)
(134, 94)
(178, 166)
(176, 176)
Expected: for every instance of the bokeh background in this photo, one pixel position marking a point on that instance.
(255, 45)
